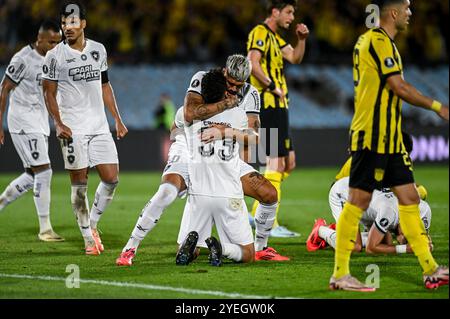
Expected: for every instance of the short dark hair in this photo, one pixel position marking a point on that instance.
(279, 4)
(385, 3)
(214, 86)
(50, 24)
(408, 142)
(66, 10)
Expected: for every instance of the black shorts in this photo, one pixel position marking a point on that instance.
(275, 135)
(371, 170)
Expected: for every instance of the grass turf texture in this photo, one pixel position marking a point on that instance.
(305, 197)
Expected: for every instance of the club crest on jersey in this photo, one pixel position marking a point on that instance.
(95, 55)
(84, 73)
(195, 83)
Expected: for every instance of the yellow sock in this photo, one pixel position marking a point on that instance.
(414, 231)
(346, 232)
(275, 178)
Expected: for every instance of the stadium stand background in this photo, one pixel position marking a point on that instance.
(155, 46)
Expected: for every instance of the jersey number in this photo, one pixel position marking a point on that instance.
(225, 153)
(33, 148)
(70, 150)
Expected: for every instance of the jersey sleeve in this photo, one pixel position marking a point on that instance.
(386, 217)
(252, 101)
(383, 53)
(104, 63)
(16, 69)
(179, 118)
(257, 39)
(50, 68)
(196, 83)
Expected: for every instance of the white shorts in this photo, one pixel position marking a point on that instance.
(228, 214)
(336, 204)
(89, 151)
(32, 148)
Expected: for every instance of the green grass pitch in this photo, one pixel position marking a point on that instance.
(24, 261)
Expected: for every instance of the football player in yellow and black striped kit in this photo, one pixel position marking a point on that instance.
(379, 158)
(266, 50)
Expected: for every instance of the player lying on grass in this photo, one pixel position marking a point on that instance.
(175, 176)
(380, 222)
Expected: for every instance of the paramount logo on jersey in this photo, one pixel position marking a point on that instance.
(84, 73)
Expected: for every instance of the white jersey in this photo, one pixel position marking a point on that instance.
(27, 111)
(382, 210)
(215, 168)
(249, 99)
(179, 146)
(80, 95)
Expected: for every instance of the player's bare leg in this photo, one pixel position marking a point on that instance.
(171, 186)
(109, 175)
(80, 207)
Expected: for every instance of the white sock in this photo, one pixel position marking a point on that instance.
(41, 191)
(16, 189)
(364, 238)
(166, 195)
(264, 219)
(232, 251)
(103, 197)
(328, 234)
(80, 208)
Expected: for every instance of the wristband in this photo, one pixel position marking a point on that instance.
(400, 249)
(436, 106)
(271, 86)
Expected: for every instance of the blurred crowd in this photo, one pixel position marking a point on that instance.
(155, 31)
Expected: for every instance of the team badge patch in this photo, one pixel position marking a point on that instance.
(95, 55)
(384, 222)
(11, 69)
(389, 62)
(260, 43)
(45, 69)
(379, 174)
(235, 203)
(195, 83)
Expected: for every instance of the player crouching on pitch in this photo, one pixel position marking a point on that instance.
(380, 221)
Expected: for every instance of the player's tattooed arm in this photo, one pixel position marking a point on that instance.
(50, 90)
(6, 87)
(219, 131)
(110, 102)
(195, 108)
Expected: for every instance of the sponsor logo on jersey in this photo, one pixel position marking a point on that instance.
(84, 73)
(71, 60)
(52, 69)
(83, 57)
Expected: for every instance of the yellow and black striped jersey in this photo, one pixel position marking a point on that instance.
(376, 124)
(270, 44)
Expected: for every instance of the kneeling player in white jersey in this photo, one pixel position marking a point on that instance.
(215, 189)
(175, 176)
(380, 222)
(28, 125)
(76, 90)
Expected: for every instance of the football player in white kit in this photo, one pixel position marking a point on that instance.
(380, 221)
(28, 125)
(76, 91)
